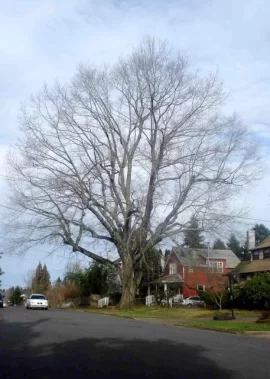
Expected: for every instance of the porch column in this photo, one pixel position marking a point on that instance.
(165, 287)
(149, 289)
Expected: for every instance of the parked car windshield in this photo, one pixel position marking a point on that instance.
(37, 297)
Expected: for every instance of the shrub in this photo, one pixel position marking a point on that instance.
(264, 318)
(254, 293)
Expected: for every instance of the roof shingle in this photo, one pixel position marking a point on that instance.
(196, 257)
(259, 265)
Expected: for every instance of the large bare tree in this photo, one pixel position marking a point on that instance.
(126, 155)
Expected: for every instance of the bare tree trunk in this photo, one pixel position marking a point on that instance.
(128, 293)
(130, 282)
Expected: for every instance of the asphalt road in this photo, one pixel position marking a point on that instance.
(68, 344)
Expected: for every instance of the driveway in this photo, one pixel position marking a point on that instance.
(54, 343)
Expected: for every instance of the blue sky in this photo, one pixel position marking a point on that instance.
(42, 40)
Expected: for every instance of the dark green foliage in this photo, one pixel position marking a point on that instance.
(41, 281)
(219, 244)
(254, 293)
(257, 290)
(167, 253)
(15, 296)
(235, 246)
(261, 232)
(45, 280)
(1, 273)
(96, 279)
(58, 281)
(193, 237)
(151, 266)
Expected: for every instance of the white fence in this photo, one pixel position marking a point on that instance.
(103, 302)
(149, 300)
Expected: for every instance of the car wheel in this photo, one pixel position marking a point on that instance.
(189, 305)
(45, 309)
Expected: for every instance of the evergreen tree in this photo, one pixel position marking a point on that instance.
(37, 278)
(1, 273)
(151, 265)
(193, 237)
(167, 253)
(235, 246)
(58, 281)
(96, 279)
(45, 279)
(261, 232)
(41, 280)
(15, 296)
(219, 244)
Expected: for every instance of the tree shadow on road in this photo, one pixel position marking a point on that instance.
(22, 356)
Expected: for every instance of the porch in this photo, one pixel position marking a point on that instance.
(166, 290)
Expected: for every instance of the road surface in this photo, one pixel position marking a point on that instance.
(68, 344)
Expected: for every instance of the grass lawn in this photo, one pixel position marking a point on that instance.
(195, 318)
(165, 313)
(227, 326)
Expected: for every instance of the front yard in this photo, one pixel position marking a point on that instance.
(196, 318)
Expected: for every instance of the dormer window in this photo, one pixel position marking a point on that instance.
(172, 268)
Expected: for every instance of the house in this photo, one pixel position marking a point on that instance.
(259, 259)
(189, 270)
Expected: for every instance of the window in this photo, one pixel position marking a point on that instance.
(220, 266)
(190, 269)
(200, 287)
(37, 297)
(172, 268)
(216, 266)
(255, 255)
(266, 253)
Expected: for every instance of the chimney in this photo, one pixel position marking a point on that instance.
(250, 239)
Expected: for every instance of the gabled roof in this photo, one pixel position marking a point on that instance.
(263, 244)
(196, 257)
(259, 265)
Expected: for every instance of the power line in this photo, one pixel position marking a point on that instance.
(236, 217)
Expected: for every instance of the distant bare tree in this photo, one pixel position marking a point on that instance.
(28, 279)
(127, 155)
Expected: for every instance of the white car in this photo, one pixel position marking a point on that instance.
(37, 301)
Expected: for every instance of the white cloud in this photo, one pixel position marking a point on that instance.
(46, 39)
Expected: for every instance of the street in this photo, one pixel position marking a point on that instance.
(54, 343)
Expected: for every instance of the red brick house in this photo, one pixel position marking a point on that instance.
(191, 270)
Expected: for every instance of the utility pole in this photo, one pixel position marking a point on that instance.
(1, 272)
